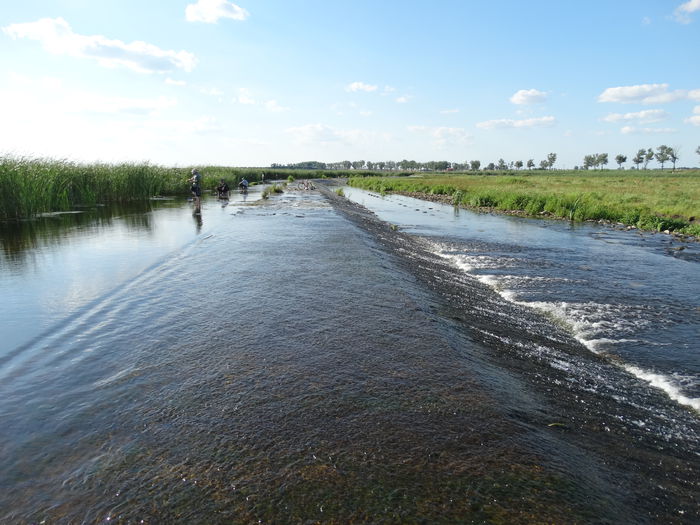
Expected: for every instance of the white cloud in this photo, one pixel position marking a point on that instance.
(443, 136)
(694, 94)
(274, 107)
(320, 134)
(403, 99)
(524, 123)
(365, 113)
(646, 21)
(683, 11)
(210, 11)
(695, 119)
(528, 96)
(244, 97)
(645, 94)
(172, 82)
(212, 92)
(643, 117)
(632, 130)
(389, 89)
(57, 37)
(360, 86)
(449, 111)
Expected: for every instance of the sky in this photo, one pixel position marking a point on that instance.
(256, 82)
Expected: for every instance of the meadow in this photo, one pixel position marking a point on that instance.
(649, 200)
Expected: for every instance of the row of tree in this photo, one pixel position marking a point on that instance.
(662, 155)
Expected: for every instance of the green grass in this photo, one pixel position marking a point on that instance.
(29, 186)
(652, 200)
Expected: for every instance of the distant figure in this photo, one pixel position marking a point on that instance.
(222, 189)
(243, 185)
(262, 178)
(196, 189)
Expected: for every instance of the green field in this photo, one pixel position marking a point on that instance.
(650, 200)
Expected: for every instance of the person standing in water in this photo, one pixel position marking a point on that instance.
(196, 188)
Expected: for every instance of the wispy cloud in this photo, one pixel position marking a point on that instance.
(273, 107)
(443, 136)
(244, 97)
(643, 117)
(646, 94)
(449, 111)
(172, 82)
(212, 92)
(403, 99)
(539, 122)
(57, 37)
(528, 96)
(683, 11)
(322, 135)
(360, 86)
(211, 11)
(695, 119)
(633, 130)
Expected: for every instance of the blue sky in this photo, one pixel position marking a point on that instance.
(250, 83)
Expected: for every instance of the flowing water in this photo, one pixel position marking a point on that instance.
(296, 360)
(629, 295)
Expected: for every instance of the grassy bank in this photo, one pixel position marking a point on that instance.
(29, 186)
(651, 200)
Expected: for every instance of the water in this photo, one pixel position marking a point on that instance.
(291, 361)
(632, 296)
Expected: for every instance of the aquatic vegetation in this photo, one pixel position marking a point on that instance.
(29, 186)
(650, 200)
(32, 186)
(340, 192)
(275, 188)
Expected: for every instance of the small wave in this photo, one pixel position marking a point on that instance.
(590, 323)
(665, 384)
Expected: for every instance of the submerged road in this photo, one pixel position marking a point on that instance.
(306, 363)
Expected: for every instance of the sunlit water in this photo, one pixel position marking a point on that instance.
(631, 295)
(273, 362)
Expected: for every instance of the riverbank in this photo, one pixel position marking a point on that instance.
(653, 202)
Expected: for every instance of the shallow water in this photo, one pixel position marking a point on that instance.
(630, 295)
(277, 362)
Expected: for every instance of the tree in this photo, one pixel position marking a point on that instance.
(698, 150)
(530, 164)
(589, 161)
(519, 163)
(544, 164)
(620, 159)
(551, 159)
(601, 159)
(648, 156)
(662, 155)
(491, 166)
(502, 164)
(639, 158)
(347, 164)
(475, 164)
(673, 154)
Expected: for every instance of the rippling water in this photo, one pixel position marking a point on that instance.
(629, 295)
(283, 361)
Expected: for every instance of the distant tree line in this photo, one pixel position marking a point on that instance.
(662, 155)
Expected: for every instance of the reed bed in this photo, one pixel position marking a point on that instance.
(29, 186)
(647, 200)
